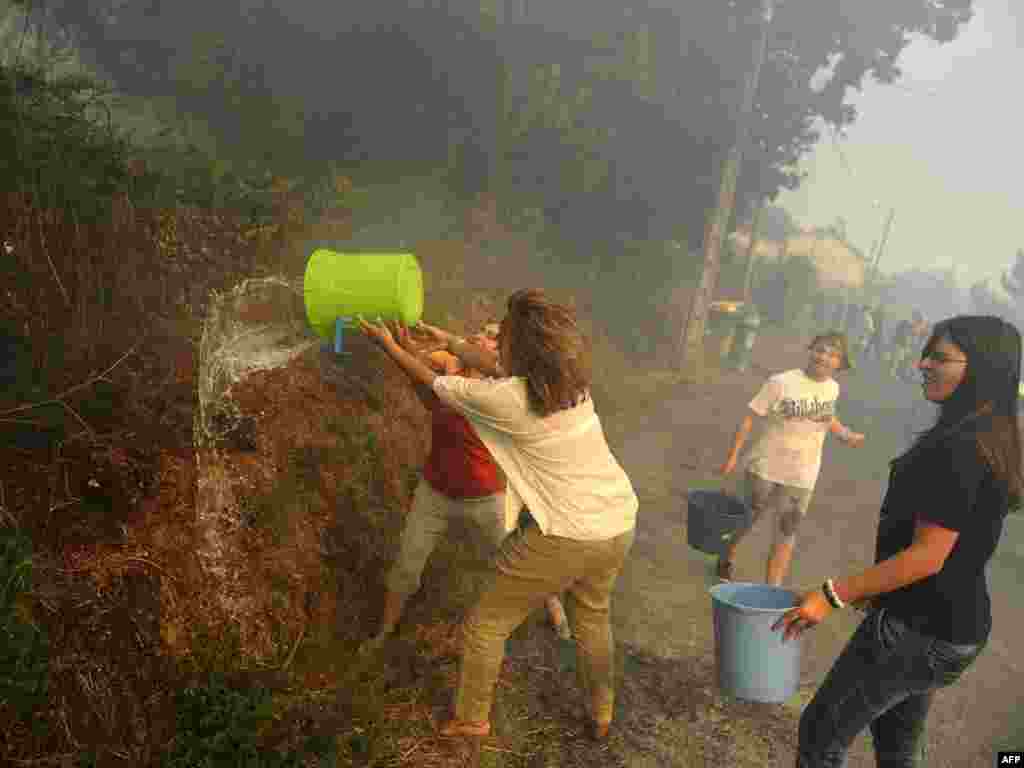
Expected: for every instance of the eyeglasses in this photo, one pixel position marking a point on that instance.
(939, 359)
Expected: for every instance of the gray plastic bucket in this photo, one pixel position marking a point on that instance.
(712, 518)
(753, 661)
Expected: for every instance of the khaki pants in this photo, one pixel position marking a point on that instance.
(529, 568)
(427, 522)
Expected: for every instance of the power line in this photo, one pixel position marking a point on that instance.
(845, 162)
(915, 91)
(839, 149)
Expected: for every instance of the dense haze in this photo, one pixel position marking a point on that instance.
(601, 124)
(182, 500)
(615, 118)
(956, 204)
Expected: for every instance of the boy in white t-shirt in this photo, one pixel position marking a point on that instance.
(798, 409)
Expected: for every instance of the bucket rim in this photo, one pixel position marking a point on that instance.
(715, 591)
(739, 503)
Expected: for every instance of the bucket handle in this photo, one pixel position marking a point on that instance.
(340, 323)
(712, 481)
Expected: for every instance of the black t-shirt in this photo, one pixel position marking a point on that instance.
(950, 485)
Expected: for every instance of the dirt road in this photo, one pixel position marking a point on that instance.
(662, 603)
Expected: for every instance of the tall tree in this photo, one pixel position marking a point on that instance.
(615, 120)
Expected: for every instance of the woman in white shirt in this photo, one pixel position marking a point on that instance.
(538, 421)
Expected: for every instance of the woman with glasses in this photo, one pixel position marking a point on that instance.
(538, 421)
(929, 614)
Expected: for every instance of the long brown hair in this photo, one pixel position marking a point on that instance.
(985, 403)
(542, 342)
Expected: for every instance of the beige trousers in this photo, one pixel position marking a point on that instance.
(529, 568)
(428, 521)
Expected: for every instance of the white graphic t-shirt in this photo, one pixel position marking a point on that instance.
(798, 412)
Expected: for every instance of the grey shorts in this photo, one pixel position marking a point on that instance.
(788, 504)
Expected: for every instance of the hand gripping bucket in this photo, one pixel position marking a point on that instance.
(371, 284)
(753, 661)
(712, 518)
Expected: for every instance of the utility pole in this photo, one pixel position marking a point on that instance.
(691, 361)
(869, 277)
(755, 227)
(885, 236)
(873, 252)
(881, 244)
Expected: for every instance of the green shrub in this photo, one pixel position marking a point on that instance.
(51, 127)
(221, 726)
(24, 662)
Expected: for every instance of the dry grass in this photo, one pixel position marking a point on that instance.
(108, 499)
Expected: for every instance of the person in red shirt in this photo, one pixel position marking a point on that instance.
(460, 480)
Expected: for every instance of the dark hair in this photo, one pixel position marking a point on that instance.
(546, 347)
(835, 339)
(985, 403)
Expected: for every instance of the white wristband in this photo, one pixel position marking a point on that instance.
(830, 592)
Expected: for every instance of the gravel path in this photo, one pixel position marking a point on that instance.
(662, 604)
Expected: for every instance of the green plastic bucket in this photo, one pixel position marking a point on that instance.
(754, 662)
(372, 284)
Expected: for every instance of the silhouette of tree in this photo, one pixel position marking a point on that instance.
(613, 120)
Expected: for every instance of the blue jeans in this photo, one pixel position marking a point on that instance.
(885, 678)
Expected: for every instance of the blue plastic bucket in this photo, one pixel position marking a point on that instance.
(753, 661)
(712, 518)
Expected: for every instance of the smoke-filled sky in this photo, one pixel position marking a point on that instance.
(943, 147)
(940, 146)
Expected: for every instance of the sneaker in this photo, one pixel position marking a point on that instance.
(724, 569)
(473, 729)
(598, 731)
